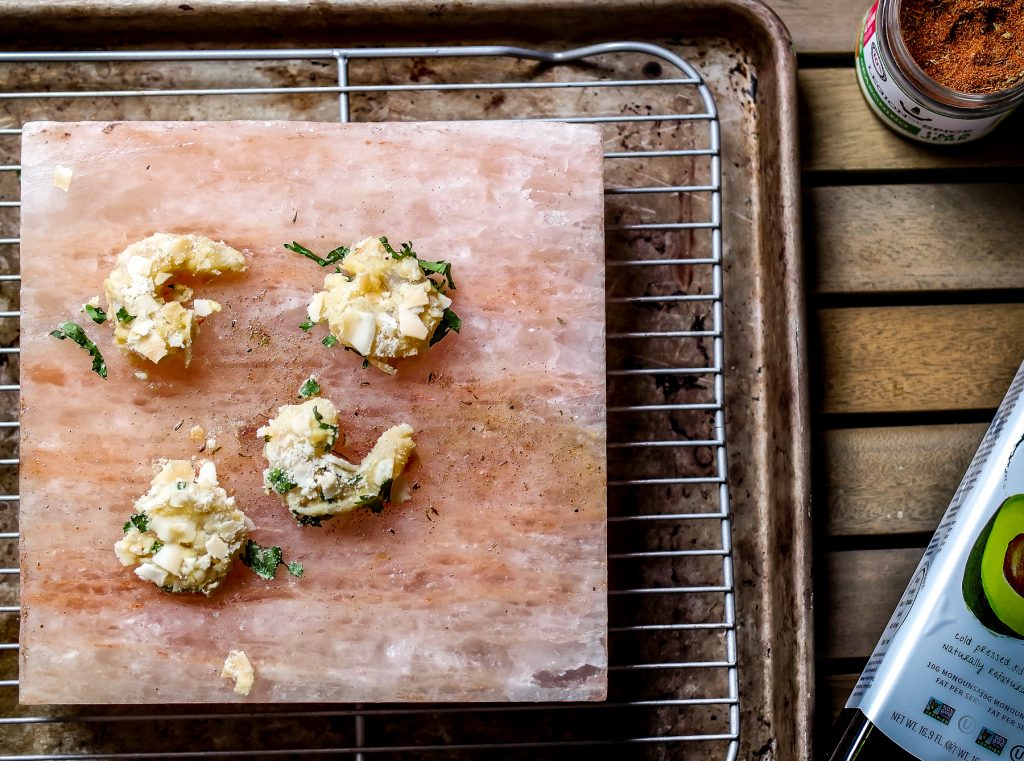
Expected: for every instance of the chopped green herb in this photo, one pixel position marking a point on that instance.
(309, 388)
(442, 268)
(332, 257)
(180, 485)
(266, 437)
(98, 315)
(406, 249)
(139, 520)
(326, 427)
(306, 325)
(366, 363)
(298, 248)
(123, 316)
(279, 481)
(376, 502)
(311, 520)
(329, 341)
(561, 321)
(157, 546)
(449, 321)
(337, 255)
(74, 331)
(262, 560)
(265, 560)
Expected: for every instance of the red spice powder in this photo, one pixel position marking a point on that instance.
(971, 46)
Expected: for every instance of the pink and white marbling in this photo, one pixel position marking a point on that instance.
(490, 583)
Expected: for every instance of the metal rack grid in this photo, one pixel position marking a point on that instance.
(667, 452)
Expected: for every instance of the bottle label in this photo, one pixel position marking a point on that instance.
(946, 679)
(906, 113)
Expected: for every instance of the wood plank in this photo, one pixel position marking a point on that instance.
(897, 238)
(822, 26)
(840, 133)
(894, 480)
(895, 359)
(862, 588)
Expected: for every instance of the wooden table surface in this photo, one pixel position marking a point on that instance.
(914, 277)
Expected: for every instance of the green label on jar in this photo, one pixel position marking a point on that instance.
(902, 111)
(869, 88)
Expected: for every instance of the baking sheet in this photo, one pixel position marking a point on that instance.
(751, 73)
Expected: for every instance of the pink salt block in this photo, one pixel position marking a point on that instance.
(490, 582)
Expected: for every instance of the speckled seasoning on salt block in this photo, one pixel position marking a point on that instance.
(490, 583)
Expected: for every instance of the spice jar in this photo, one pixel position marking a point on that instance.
(942, 71)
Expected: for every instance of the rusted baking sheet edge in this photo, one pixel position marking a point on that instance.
(770, 476)
(233, 23)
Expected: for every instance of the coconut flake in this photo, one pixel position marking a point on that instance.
(62, 177)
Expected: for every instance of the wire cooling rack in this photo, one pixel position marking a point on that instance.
(673, 683)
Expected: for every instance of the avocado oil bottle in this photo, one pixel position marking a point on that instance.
(946, 679)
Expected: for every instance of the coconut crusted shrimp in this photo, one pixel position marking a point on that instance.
(316, 484)
(186, 530)
(147, 323)
(386, 304)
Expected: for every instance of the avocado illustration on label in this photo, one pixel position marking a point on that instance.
(994, 578)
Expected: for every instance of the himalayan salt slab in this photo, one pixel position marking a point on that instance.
(490, 583)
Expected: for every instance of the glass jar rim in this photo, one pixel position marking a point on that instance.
(931, 87)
